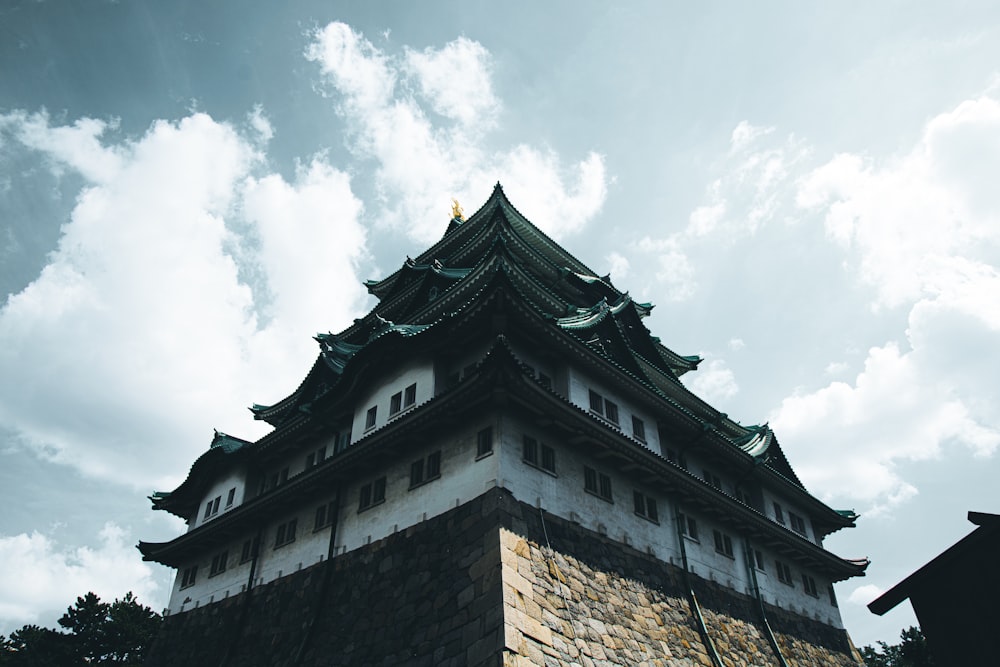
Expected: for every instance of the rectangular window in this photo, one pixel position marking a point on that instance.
(325, 515)
(784, 573)
(425, 470)
(372, 493)
(433, 466)
(809, 585)
(208, 510)
(310, 460)
(798, 523)
(370, 417)
(832, 594)
(597, 483)
(596, 403)
(758, 559)
(248, 551)
(285, 534)
(410, 395)
(638, 429)
(723, 543)
(610, 411)
(688, 526)
(231, 497)
(548, 459)
(484, 442)
(218, 564)
(645, 506)
(396, 403)
(529, 450)
(189, 576)
(779, 515)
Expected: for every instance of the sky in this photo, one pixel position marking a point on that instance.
(189, 191)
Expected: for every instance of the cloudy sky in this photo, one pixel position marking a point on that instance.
(190, 190)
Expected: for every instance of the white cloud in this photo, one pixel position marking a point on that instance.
(618, 266)
(183, 289)
(924, 223)
(922, 231)
(756, 188)
(41, 576)
(423, 164)
(714, 382)
(736, 344)
(862, 595)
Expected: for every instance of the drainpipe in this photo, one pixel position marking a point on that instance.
(693, 599)
(324, 585)
(772, 640)
(245, 605)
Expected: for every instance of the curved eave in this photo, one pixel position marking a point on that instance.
(185, 499)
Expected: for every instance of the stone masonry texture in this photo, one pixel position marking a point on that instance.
(494, 582)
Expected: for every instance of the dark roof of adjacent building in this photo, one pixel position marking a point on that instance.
(987, 531)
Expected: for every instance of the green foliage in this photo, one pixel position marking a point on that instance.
(912, 651)
(96, 633)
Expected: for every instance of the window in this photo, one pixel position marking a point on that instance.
(249, 550)
(189, 576)
(723, 543)
(212, 507)
(484, 442)
(341, 441)
(744, 497)
(218, 564)
(688, 526)
(712, 479)
(231, 497)
(833, 596)
(809, 585)
(798, 523)
(371, 494)
(410, 395)
(645, 506)
(758, 559)
(596, 403)
(285, 534)
(316, 457)
(529, 450)
(784, 573)
(425, 470)
(548, 459)
(638, 429)
(370, 417)
(396, 403)
(325, 515)
(602, 406)
(779, 515)
(596, 483)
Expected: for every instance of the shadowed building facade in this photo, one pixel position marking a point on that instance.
(499, 465)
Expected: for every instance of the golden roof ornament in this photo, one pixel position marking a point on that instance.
(456, 210)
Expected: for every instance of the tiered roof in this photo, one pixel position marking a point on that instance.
(497, 276)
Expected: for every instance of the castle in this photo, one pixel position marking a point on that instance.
(498, 465)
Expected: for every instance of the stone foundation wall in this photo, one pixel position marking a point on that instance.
(490, 583)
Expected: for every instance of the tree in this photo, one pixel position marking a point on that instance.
(97, 633)
(912, 651)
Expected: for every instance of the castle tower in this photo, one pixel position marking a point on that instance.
(499, 465)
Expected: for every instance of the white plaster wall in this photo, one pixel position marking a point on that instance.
(770, 498)
(579, 386)
(234, 479)
(462, 479)
(420, 371)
